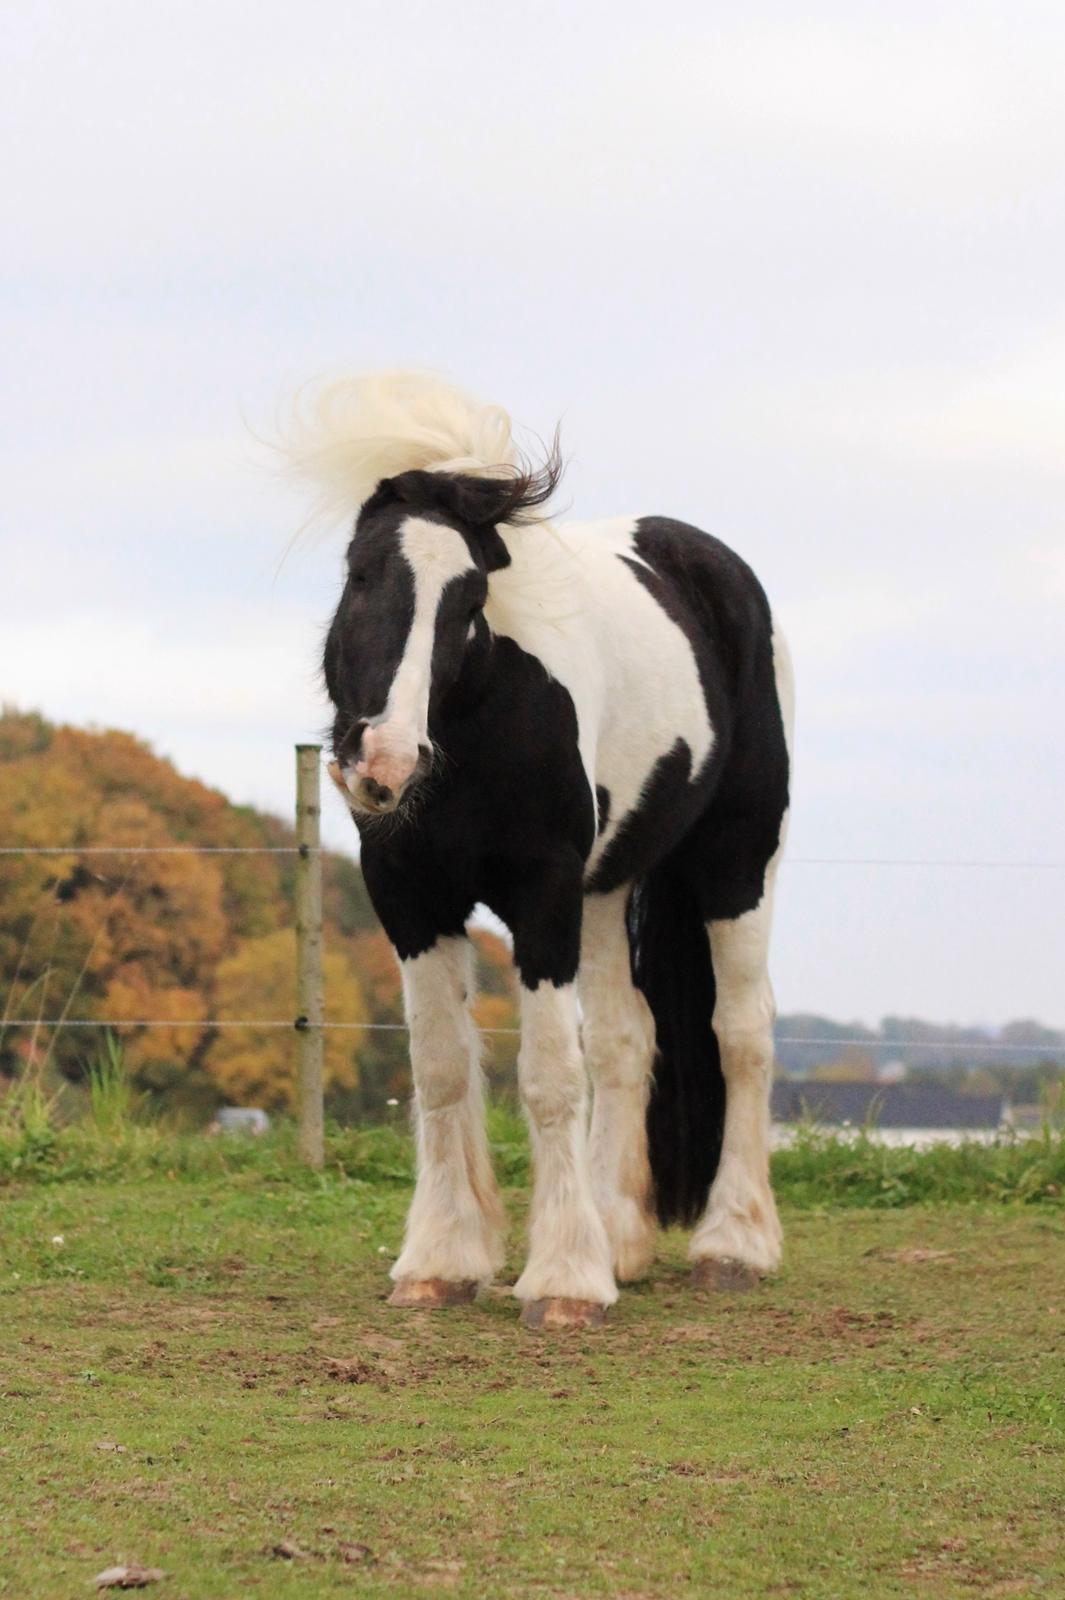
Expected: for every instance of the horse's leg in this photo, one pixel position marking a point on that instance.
(619, 1040)
(567, 1281)
(454, 1231)
(738, 1236)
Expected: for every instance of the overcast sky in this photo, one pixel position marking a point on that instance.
(799, 280)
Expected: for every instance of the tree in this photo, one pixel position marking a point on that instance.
(178, 939)
(257, 1066)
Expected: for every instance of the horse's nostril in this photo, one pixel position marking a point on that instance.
(377, 791)
(351, 744)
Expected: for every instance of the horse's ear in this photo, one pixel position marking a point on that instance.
(477, 503)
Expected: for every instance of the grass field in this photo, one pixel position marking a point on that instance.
(198, 1372)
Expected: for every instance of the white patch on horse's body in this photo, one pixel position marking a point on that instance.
(391, 744)
(455, 1225)
(571, 599)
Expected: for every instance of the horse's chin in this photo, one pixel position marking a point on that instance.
(375, 808)
(369, 808)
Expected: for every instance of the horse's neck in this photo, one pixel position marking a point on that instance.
(540, 587)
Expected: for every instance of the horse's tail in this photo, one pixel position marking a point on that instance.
(671, 964)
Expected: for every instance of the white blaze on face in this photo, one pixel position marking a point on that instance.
(390, 746)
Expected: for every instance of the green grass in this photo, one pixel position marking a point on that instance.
(198, 1367)
(820, 1168)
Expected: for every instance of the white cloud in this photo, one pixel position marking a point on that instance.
(826, 630)
(1010, 410)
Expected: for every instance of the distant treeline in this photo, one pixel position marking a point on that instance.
(920, 1046)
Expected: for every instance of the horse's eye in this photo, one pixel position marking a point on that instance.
(357, 580)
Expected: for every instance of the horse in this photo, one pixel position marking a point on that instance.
(586, 728)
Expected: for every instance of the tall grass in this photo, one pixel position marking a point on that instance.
(111, 1095)
(115, 1141)
(821, 1167)
(28, 1131)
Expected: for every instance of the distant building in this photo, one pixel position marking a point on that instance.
(917, 1106)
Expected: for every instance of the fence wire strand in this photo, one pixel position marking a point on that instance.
(157, 850)
(401, 1027)
(293, 850)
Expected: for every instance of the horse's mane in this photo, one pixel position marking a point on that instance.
(346, 436)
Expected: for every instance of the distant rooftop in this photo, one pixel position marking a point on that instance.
(886, 1105)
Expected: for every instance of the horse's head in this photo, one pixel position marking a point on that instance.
(436, 475)
(409, 615)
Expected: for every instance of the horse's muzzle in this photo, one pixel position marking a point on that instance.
(380, 779)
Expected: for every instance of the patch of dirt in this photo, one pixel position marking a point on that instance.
(912, 1255)
(780, 1331)
(288, 1550)
(354, 1371)
(354, 1553)
(947, 1560)
(432, 1574)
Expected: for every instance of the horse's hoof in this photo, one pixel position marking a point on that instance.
(560, 1312)
(734, 1277)
(427, 1294)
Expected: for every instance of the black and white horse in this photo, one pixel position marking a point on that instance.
(586, 728)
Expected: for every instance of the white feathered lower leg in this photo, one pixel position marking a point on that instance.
(455, 1224)
(569, 1252)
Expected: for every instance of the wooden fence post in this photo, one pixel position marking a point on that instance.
(310, 992)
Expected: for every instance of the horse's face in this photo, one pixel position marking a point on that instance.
(417, 578)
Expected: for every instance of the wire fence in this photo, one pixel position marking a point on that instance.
(159, 850)
(310, 1024)
(300, 1023)
(304, 850)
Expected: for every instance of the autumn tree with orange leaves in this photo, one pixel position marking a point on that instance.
(176, 941)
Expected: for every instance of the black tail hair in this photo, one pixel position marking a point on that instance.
(671, 964)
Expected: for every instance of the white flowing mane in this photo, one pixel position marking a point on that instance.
(345, 436)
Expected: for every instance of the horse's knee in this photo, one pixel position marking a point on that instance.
(551, 1092)
(443, 1084)
(619, 1042)
(746, 1051)
(743, 1024)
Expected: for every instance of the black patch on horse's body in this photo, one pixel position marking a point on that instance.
(508, 820)
(667, 802)
(712, 594)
